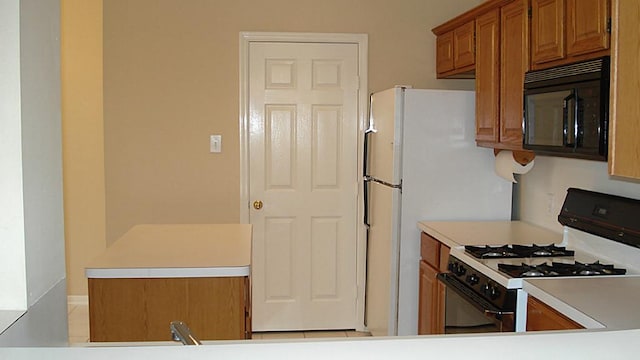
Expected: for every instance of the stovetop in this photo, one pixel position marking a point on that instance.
(577, 248)
(524, 267)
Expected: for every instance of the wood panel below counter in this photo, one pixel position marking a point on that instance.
(142, 309)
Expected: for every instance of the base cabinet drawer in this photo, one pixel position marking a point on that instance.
(141, 309)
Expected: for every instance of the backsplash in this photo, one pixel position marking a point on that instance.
(541, 192)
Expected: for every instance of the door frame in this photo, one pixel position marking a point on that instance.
(246, 38)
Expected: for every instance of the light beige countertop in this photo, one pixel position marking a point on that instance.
(181, 250)
(593, 302)
(583, 345)
(458, 233)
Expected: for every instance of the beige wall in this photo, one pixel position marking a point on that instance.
(543, 189)
(83, 137)
(171, 80)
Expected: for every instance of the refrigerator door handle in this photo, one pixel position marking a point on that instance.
(382, 182)
(367, 182)
(366, 202)
(365, 154)
(371, 126)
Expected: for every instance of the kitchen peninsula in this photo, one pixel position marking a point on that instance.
(154, 274)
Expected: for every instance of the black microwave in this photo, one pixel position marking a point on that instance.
(566, 110)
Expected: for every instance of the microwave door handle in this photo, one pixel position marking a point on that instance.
(568, 125)
(579, 122)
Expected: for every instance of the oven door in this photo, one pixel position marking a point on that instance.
(468, 312)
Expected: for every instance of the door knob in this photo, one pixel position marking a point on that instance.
(257, 204)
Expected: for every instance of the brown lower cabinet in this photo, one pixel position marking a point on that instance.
(431, 292)
(430, 315)
(215, 308)
(541, 316)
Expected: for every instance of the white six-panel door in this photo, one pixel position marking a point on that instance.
(303, 180)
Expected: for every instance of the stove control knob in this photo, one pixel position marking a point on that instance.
(494, 293)
(491, 291)
(486, 289)
(473, 279)
(452, 266)
(460, 270)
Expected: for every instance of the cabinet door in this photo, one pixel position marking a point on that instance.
(514, 62)
(547, 30)
(439, 326)
(463, 45)
(444, 53)
(624, 127)
(587, 26)
(429, 316)
(541, 316)
(487, 76)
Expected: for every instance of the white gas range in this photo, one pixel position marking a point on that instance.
(587, 248)
(491, 276)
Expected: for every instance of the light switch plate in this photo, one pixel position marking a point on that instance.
(215, 143)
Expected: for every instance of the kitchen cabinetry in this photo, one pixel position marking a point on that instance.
(624, 127)
(501, 59)
(431, 293)
(455, 52)
(141, 309)
(512, 36)
(488, 77)
(566, 31)
(514, 62)
(541, 316)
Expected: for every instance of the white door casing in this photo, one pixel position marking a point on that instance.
(301, 120)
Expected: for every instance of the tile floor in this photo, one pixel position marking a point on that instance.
(79, 329)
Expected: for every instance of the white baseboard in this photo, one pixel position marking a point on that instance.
(77, 300)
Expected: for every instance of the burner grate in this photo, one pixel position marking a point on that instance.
(560, 269)
(517, 251)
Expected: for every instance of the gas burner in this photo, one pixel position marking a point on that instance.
(524, 270)
(580, 269)
(543, 250)
(494, 252)
(559, 269)
(517, 251)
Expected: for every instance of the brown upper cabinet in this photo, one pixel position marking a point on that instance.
(501, 59)
(488, 77)
(514, 62)
(566, 31)
(455, 52)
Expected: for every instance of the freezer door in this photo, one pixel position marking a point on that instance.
(384, 139)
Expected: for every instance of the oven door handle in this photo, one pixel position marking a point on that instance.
(479, 302)
(497, 313)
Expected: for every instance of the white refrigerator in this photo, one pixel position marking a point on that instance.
(421, 163)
